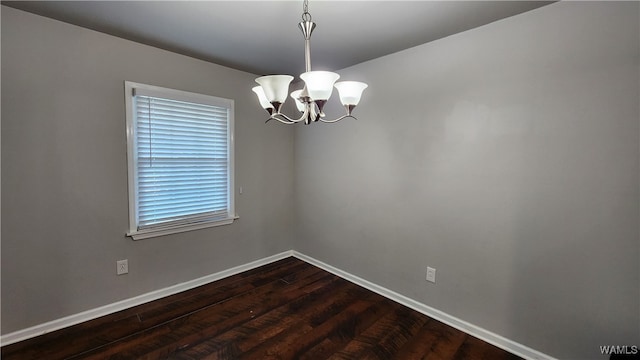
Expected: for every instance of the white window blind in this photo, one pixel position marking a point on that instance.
(182, 161)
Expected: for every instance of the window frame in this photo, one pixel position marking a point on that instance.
(133, 88)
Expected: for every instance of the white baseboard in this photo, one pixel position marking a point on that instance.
(138, 300)
(480, 333)
(473, 330)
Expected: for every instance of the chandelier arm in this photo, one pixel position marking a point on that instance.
(284, 121)
(338, 119)
(287, 120)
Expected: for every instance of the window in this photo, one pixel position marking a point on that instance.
(180, 157)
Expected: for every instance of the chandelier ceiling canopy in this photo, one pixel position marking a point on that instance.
(318, 86)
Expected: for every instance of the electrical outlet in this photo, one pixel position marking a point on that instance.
(431, 274)
(122, 267)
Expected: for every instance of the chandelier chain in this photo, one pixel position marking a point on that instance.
(306, 16)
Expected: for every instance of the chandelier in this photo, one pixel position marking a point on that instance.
(273, 89)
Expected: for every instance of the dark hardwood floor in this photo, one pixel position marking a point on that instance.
(285, 310)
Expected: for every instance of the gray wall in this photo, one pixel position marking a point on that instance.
(64, 173)
(507, 158)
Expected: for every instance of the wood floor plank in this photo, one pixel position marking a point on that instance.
(447, 344)
(337, 340)
(263, 328)
(284, 310)
(396, 332)
(205, 322)
(322, 350)
(300, 339)
(351, 350)
(421, 343)
(385, 337)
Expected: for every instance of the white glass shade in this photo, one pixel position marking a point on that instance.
(295, 95)
(319, 83)
(350, 91)
(276, 87)
(262, 98)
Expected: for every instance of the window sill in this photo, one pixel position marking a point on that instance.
(149, 233)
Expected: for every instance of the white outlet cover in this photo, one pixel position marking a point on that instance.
(431, 274)
(122, 267)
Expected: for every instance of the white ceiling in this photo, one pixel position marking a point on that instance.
(262, 37)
